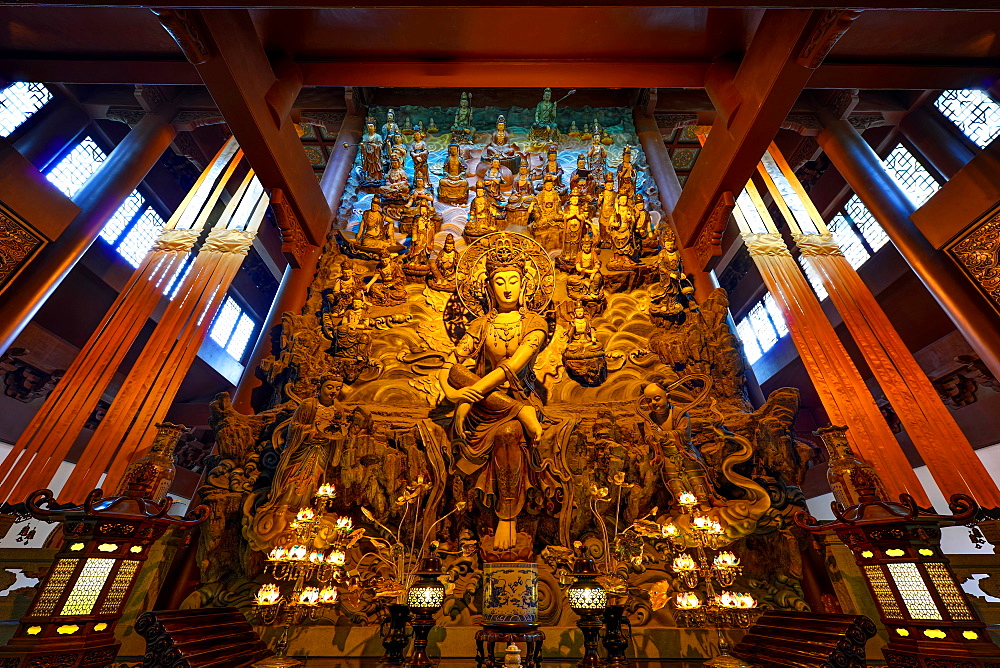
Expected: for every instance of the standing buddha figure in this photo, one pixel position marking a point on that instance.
(625, 178)
(453, 188)
(461, 128)
(419, 154)
(390, 130)
(606, 210)
(371, 155)
(493, 183)
(624, 240)
(597, 159)
(576, 224)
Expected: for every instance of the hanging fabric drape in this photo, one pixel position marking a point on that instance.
(152, 383)
(48, 438)
(931, 427)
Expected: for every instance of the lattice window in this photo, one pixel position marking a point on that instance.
(950, 596)
(865, 223)
(850, 242)
(913, 590)
(914, 178)
(46, 603)
(232, 328)
(761, 328)
(975, 113)
(750, 345)
(123, 578)
(122, 217)
(813, 277)
(883, 592)
(76, 167)
(18, 102)
(88, 587)
(140, 238)
(225, 321)
(241, 337)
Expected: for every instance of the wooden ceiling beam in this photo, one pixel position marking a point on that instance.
(786, 48)
(937, 5)
(230, 60)
(519, 74)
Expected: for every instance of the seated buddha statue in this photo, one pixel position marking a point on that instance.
(397, 185)
(554, 172)
(375, 231)
(585, 282)
(453, 188)
(482, 216)
(444, 267)
(461, 128)
(388, 286)
(520, 197)
(545, 216)
(502, 148)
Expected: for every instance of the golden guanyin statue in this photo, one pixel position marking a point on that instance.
(444, 267)
(496, 422)
(372, 169)
(585, 282)
(665, 407)
(453, 188)
(584, 356)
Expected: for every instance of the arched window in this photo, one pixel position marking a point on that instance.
(975, 113)
(18, 102)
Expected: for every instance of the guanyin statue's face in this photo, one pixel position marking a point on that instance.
(506, 287)
(329, 391)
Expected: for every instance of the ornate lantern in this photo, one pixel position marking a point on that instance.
(588, 599)
(424, 598)
(72, 620)
(898, 550)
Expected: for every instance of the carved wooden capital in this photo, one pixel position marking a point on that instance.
(294, 243)
(128, 116)
(152, 98)
(830, 25)
(670, 122)
(184, 144)
(817, 245)
(804, 124)
(186, 121)
(183, 25)
(709, 242)
(770, 245)
(331, 120)
(862, 122)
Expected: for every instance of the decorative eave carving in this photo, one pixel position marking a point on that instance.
(186, 121)
(805, 124)
(806, 150)
(183, 25)
(294, 243)
(672, 121)
(862, 122)
(127, 116)
(331, 120)
(829, 27)
(184, 144)
(709, 242)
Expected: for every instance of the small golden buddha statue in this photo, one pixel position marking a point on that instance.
(520, 198)
(453, 188)
(375, 232)
(444, 267)
(419, 154)
(397, 185)
(545, 216)
(372, 169)
(388, 286)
